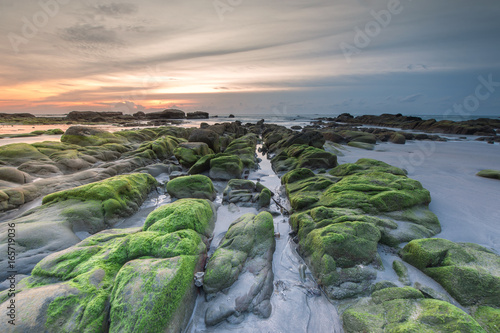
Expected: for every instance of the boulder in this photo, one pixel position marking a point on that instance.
(493, 174)
(397, 138)
(88, 209)
(241, 267)
(120, 279)
(404, 310)
(14, 175)
(197, 115)
(469, 272)
(166, 114)
(197, 186)
(209, 137)
(226, 167)
(188, 153)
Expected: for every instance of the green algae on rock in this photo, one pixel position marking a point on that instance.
(245, 254)
(195, 186)
(406, 310)
(488, 318)
(303, 156)
(469, 272)
(194, 214)
(188, 153)
(341, 217)
(89, 208)
(493, 174)
(115, 271)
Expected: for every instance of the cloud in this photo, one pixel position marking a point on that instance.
(116, 9)
(411, 99)
(87, 33)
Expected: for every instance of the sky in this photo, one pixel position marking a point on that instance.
(281, 57)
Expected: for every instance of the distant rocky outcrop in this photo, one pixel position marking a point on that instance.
(481, 126)
(197, 115)
(166, 114)
(16, 115)
(92, 115)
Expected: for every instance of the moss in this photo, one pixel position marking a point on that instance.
(226, 167)
(468, 272)
(159, 289)
(18, 153)
(361, 145)
(265, 198)
(249, 236)
(493, 174)
(401, 271)
(120, 194)
(161, 148)
(196, 186)
(389, 294)
(296, 175)
(202, 165)
(488, 318)
(412, 313)
(194, 214)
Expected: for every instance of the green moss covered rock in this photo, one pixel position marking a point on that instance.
(119, 195)
(16, 154)
(244, 254)
(188, 153)
(303, 156)
(194, 214)
(406, 310)
(142, 279)
(226, 167)
(469, 272)
(341, 217)
(493, 174)
(488, 318)
(196, 186)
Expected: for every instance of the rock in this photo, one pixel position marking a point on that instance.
(13, 175)
(488, 318)
(361, 145)
(193, 214)
(226, 167)
(246, 193)
(139, 115)
(231, 116)
(310, 138)
(303, 156)
(92, 115)
(142, 279)
(209, 137)
(242, 267)
(153, 295)
(188, 153)
(197, 186)
(397, 138)
(341, 217)
(358, 136)
(405, 309)
(89, 208)
(88, 136)
(197, 115)
(244, 147)
(402, 272)
(468, 272)
(16, 154)
(493, 174)
(202, 165)
(166, 114)
(296, 127)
